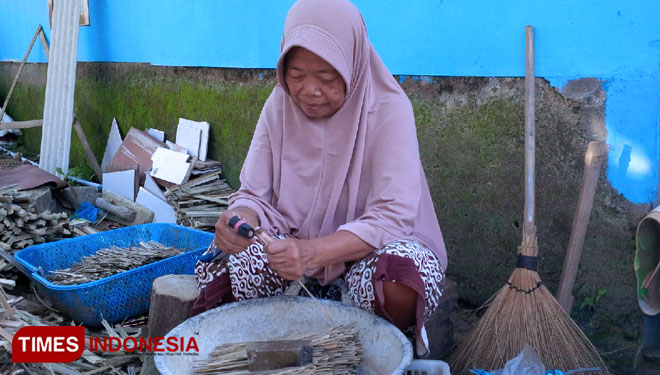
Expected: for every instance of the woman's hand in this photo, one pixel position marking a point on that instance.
(226, 239)
(291, 258)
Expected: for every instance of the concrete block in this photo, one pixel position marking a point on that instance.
(73, 196)
(272, 355)
(40, 199)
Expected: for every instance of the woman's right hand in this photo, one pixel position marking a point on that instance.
(226, 239)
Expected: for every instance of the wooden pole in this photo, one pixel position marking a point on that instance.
(18, 74)
(593, 159)
(44, 43)
(529, 228)
(88, 150)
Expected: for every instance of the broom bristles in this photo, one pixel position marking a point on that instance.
(525, 312)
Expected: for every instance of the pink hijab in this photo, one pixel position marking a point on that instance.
(358, 170)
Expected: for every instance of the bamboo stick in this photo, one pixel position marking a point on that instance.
(18, 74)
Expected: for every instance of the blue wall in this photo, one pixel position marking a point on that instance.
(618, 42)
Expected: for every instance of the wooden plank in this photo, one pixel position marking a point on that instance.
(213, 199)
(44, 43)
(7, 283)
(21, 124)
(88, 150)
(6, 335)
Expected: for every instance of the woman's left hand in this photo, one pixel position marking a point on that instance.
(291, 258)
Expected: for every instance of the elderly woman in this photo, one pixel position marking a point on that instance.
(334, 172)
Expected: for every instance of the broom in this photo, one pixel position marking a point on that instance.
(523, 311)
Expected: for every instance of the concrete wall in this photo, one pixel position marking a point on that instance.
(471, 144)
(617, 42)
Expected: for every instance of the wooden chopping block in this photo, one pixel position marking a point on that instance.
(142, 214)
(172, 298)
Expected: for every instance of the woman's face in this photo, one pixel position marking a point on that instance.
(315, 86)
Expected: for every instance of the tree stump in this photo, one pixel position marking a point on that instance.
(172, 298)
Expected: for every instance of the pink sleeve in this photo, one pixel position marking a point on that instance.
(393, 170)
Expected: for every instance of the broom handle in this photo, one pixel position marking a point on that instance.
(593, 159)
(529, 229)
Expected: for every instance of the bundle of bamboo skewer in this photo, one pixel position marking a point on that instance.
(336, 351)
(198, 203)
(111, 261)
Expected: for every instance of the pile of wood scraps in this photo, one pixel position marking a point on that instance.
(205, 167)
(13, 318)
(199, 202)
(20, 223)
(5, 267)
(80, 227)
(16, 313)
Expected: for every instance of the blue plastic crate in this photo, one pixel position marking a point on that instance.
(119, 296)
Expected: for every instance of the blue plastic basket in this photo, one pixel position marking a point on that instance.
(119, 296)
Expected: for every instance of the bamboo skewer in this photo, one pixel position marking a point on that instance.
(265, 239)
(111, 261)
(337, 351)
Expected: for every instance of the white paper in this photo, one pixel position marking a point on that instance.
(113, 144)
(121, 183)
(170, 165)
(163, 212)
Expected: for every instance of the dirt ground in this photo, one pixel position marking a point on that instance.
(6, 161)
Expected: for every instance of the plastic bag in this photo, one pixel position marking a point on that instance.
(525, 363)
(528, 363)
(86, 211)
